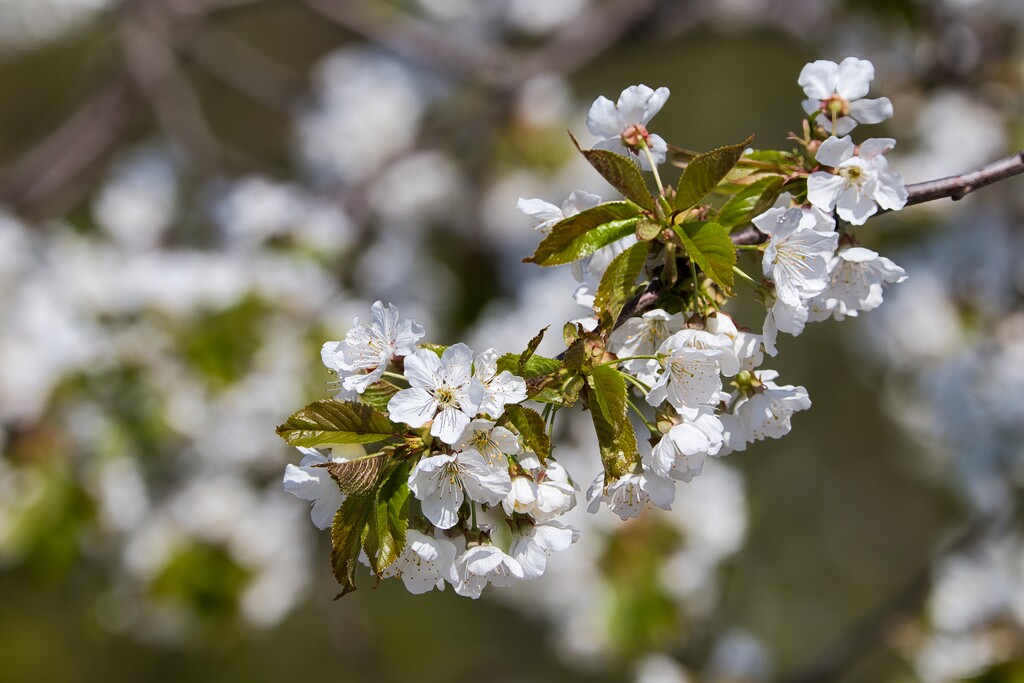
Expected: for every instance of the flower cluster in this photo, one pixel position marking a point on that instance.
(456, 441)
(464, 457)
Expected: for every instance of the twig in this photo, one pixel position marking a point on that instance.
(959, 186)
(60, 159)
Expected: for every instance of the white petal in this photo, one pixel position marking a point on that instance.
(326, 506)
(413, 406)
(423, 369)
(603, 119)
(855, 76)
(823, 189)
(819, 79)
(835, 151)
(448, 425)
(871, 111)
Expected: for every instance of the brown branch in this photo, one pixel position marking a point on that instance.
(61, 158)
(959, 186)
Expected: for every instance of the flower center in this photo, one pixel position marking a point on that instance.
(632, 136)
(854, 175)
(445, 396)
(836, 105)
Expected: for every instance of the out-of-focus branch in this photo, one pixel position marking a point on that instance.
(60, 159)
(418, 41)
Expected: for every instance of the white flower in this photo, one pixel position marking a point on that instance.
(801, 245)
(371, 347)
(627, 496)
(746, 347)
(861, 182)
(491, 391)
(309, 482)
(548, 214)
(681, 452)
(782, 317)
(425, 563)
(766, 414)
(858, 276)
(545, 494)
(690, 374)
(841, 88)
(641, 337)
(532, 548)
(441, 482)
(628, 119)
(438, 387)
(492, 442)
(485, 564)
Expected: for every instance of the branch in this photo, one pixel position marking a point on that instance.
(959, 186)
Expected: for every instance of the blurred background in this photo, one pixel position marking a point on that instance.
(196, 194)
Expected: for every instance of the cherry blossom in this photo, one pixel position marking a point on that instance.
(442, 482)
(544, 495)
(840, 89)
(690, 374)
(861, 183)
(492, 442)
(641, 337)
(801, 245)
(621, 125)
(532, 547)
(681, 452)
(858, 276)
(628, 495)
(485, 564)
(765, 414)
(547, 214)
(425, 563)
(492, 390)
(439, 390)
(371, 347)
(310, 480)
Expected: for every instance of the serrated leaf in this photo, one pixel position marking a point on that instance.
(710, 247)
(329, 421)
(536, 366)
(615, 436)
(531, 349)
(618, 283)
(751, 201)
(347, 534)
(379, 393)
(703, 173)
(386, 537)
(575, 355)
(621, 173)
(586, 232)
(358, 475)
(530, 426)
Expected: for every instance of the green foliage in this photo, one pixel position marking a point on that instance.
(329, 421)
(751, 201)
(586, 232)
(621, 173)
(618, 283)
(535, 366)
(379, 393)
(647, 229)
(615, 435)
(530, 426)
(709, 246)
(358, 475)
(374, 521)
(531, 348)
(704, 173)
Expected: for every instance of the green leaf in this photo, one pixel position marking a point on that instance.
(709, 246)
(575, 355)
(329, 421)
(615, 435)
(386, 537)
(531, 349)
(530, 426)
(751, 201)
(347, 534)
(618, 283)
(379, 393)
(536, 366)
(358, 475)
(621, 173)
(704, 173)
(584, 233)
(436, 348)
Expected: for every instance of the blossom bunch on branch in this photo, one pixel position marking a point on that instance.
(462, 485)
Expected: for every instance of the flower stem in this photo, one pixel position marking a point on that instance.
(757, 285)
(654, 167)
(625, 358)
(395, 375)
(639, 385)
(653, 428)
